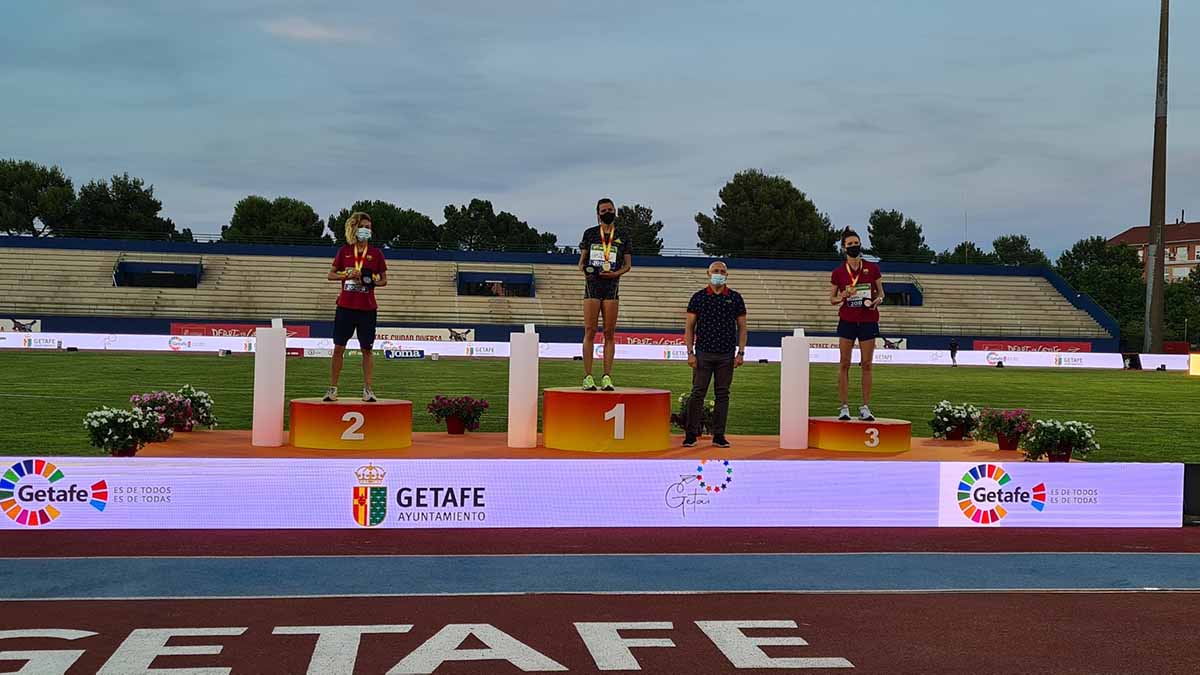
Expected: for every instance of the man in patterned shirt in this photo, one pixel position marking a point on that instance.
(716, 327)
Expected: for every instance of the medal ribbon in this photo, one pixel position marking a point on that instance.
(359, 259)
(853, 276)
(606, 243)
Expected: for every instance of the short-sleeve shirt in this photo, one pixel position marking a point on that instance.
(620, 245)
(716, 313)
(852, 309)
(356, 295)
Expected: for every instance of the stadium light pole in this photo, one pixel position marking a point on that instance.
(1155, 253)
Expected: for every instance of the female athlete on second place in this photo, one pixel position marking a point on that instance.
(857, 286)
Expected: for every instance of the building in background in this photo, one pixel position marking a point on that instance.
(1182, 244)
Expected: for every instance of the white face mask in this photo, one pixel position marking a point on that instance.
(717, 279)
(363, 233)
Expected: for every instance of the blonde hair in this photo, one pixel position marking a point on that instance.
(352, 225)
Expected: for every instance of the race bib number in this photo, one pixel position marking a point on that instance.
(352, 286)
(862, 293)
(596, 255)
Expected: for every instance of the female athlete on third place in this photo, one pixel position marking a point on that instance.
(857, 286)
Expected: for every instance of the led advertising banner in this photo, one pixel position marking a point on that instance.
(163, 493)
(560, 350)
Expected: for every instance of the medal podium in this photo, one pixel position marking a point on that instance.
(350, 424)
(625, 420)
(882, 435)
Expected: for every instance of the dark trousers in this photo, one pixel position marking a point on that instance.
(719, 369)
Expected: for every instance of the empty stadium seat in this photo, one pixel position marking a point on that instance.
(244, 287)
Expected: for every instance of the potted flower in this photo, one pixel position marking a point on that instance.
(460, 413)
(202, 406)
(679, 419)
(121, 433)
(1059, 441)
(176, 409)
(1006, 426)
(954, 422)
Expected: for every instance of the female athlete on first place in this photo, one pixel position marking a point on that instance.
(857, 286)
(605, 255)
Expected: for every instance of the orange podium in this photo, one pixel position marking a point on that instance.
(625, 420)
(882, 435)
(350, 424)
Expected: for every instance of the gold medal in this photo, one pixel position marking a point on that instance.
(607, 267)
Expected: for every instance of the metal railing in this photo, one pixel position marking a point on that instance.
(206, 238)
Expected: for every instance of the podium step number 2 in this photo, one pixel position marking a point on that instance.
(350, 425)
(625, 420)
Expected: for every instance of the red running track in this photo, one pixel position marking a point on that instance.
(94, 543)
(886, 633)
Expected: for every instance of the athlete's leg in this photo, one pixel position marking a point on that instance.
(610, 334)
(591, 318)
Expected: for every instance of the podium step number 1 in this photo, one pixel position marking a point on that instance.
(625, 420)
(618, 415)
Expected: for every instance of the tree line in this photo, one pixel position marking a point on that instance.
(758, 215)
(39, 201)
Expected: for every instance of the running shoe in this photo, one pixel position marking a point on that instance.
(864, 414)
(589, 384)
(368, 395)
(330, 394)
(720, 442)
(689, 441)
(606, 383)
(844, 414)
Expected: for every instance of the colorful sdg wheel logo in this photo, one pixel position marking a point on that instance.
(984, 497)
(31, 493)
(714, 475)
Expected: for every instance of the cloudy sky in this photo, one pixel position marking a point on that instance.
(1027, 116)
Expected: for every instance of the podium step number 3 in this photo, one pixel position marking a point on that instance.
(350, 425)
(882, 435)
(625, 420)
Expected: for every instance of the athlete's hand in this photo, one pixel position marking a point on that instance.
(609, 275)
(692, 360)
(353, 274)
(738, 360)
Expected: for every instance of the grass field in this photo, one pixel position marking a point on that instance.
(1139, 416)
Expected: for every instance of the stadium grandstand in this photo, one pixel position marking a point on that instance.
(92, 287)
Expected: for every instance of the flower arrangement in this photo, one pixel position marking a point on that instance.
(1006, 426)
(176, 409)
(202, 406)
(679, 419)
(954, 422)
(1059, 441)
(460, 413)
(123, 432)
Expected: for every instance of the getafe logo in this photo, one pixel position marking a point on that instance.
(983, 494)
(370, 496)
(695, 490)
(719, 476)
(32, 493)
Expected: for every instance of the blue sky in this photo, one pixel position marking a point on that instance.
(1029, 116)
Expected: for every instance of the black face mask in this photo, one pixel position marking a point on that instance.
(608, 217)
(853, 251)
